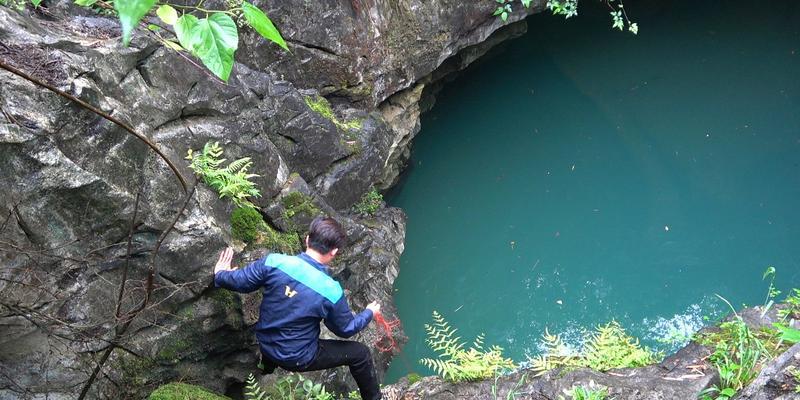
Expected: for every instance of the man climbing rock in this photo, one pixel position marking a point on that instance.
(298, 294)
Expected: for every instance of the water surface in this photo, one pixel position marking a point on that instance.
(580, 174)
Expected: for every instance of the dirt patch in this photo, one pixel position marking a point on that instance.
(35, 61)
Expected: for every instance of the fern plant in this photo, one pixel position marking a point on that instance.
(608, 347)
(232, 181)
(455, 362)
(253, 391)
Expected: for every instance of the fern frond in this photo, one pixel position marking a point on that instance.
(253, 390)
(238, 165)
(231, 182)
(456, 364)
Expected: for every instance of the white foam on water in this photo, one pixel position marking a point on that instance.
(675, 332)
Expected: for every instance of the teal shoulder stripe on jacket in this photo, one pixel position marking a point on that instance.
(306, 274)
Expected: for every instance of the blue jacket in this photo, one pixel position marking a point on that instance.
(298, 294)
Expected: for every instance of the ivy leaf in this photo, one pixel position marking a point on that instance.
(167, 14)
(183, 30)
(215, 40)
(262, 24)
(130, 12)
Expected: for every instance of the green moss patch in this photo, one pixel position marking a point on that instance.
(321, 106)
(281, 242)
(296, 203)
(244, 224)
(183, 391)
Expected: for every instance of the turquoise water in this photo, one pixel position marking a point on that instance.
(579, 175)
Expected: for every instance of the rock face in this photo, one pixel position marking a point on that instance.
(87, 238)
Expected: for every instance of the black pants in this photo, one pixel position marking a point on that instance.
(335, 353)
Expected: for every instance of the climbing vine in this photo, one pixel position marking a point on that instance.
(569, 9)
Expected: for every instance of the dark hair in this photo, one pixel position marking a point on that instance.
(325, 234)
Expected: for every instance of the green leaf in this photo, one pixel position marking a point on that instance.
(184, 28)
(36, 3)
(216, 39)
(788, 334)
(130, 12)
(172, 45)
(154, 28)
(262, 24)
(504, 16)
(167, 14)
(85, 3)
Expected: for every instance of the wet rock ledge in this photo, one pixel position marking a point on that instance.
(681, 376)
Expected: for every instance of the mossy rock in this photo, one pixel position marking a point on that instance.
(320, 105)
(245, 222)
(183, 391)
(280, 242)
(297, 203)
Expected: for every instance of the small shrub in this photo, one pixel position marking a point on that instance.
(182, 391)
(370, 203)
(245, 223)
(792, 303)
(738, 355)
(413, 378)
(590, 392)
(291, 387)
(232, 181)
(456, 363)
(608, 347)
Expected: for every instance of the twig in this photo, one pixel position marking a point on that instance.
(151, 273)
(8, 116)
(97, 111)
(96, 370)
(127, 256)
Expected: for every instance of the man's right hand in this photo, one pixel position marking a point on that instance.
(374, 307)
(224, 262)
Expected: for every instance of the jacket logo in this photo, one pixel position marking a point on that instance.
(289, 292)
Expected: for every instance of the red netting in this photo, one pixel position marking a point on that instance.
(385, 342)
